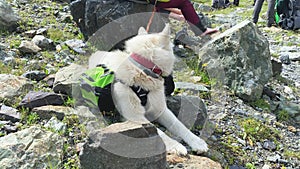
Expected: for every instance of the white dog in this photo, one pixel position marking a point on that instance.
(146, 59)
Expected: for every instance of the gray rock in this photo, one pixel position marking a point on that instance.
(41, 31)
(30, 33)
(43, 42)
(12, 87)
(9, 61)
(239, 58)
(35, 75)
(124, 145)
(10, 128)
(190, 110)
(56, 125)
(39, 98)
(191, 87)
(3, 55)
(289, 49)
(91, 120)
(110, 17)
(76, 45)
(274, 158)
(8, 18)
(9, 113)
(295, 56)
(66, 77)
(29, 47)
(290, 72)
(31, 148)
(269, 145)
(285, 59)
(47, 112)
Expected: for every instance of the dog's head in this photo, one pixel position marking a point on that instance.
(155, 47)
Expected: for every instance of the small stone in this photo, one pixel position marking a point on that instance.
(41, 31)
(266, 167)
(196, 78)
(292, 129)
(288, 90)
(30, 33)
(10, 129)
(9, 113)
(56, 125)
(76, 45)
(243, 142)
(35, 75)
(236, 167)
(43, 42)
(269, 145)
(285, 59)
(29, 47)
(180, 165)
(58, 48)
(274, 158)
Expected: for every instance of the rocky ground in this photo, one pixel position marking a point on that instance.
(240, 134)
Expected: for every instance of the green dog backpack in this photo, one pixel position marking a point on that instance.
(95, 85)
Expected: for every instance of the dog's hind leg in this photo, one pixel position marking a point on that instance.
(170, 121)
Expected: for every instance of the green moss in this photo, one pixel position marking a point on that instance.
(5, 69)
(283, 115)
(291, 154)
(58, 35)
(32, 118)
(15, 42)
(255, 130)
(261, 103)
(70, 102)
(250, 166)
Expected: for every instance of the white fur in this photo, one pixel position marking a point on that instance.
(157, 48)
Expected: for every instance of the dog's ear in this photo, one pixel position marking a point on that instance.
(165, 38)
(142, 31)
(166, 30)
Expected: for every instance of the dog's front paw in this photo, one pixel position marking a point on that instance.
(175, 147)
(198, 145)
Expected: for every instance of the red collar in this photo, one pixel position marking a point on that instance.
(146, 63)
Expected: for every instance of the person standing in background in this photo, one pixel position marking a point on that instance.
(270, 12)
(184, 10)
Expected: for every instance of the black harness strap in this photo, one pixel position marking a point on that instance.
(141, 93)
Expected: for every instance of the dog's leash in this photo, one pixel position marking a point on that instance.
(152, 16)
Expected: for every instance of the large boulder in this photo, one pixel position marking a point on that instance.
(124, 145)
(239, 58)
(8, 19)
(31, 148)
(118, 20)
